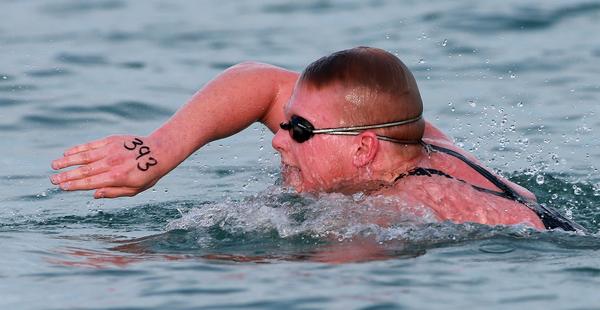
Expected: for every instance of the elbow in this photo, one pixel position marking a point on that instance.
(247, 66)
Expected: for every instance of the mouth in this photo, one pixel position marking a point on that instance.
(292, 176)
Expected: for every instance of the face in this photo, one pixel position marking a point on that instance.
(324, 162)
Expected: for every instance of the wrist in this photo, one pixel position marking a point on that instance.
(169, 150)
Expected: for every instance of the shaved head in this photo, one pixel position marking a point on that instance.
(376, 88)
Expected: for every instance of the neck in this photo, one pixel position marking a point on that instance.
(396, 160)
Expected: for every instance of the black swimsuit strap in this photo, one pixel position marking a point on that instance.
(484, 172)
(550, 217)
(429, 172)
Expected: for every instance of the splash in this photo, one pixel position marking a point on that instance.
(328, 216)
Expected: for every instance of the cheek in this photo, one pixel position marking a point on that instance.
(323, 163)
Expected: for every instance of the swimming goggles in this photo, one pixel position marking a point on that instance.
(301, 130)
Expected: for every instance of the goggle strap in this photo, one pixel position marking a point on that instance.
(380, 137)
(384, 125)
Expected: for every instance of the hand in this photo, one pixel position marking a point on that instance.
(115, 166)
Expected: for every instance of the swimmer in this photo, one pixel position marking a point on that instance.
(350, 122)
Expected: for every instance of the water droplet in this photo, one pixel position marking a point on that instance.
(520, 104)
(554, 196)
(387, 36)
(472, 103)
(4, 77)
(596, 189)
(358, 196)
(569, 213)
(445, 42)
(513, 76)
(577, 190)
(539, 179)
(421, 61)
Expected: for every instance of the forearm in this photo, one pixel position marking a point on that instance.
(125, 165)
(240, 96)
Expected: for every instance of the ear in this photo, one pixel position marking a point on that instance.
(367, 146)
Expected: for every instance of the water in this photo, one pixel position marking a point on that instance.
(514, 83)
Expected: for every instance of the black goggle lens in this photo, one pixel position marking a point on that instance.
(300, 129)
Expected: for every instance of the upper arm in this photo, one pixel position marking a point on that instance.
(284, 81)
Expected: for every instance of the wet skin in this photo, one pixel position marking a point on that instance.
(324, 163)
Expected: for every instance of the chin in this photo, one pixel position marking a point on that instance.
(292, 177)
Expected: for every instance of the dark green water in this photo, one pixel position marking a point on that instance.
(515, 83)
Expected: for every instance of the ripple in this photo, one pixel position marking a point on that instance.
(525, 65)
(17, 88)
(526, 298)
(5, 102)
(131, 110)
(45, 73)
(47, 121)
(78, 7)
(190, 37)
(195, 291)
(9, 127)
(88, 273)
(319, 7)
(45, 195)
(584, 271)
(121, 36)
(525, 18)
(496, 248)
(133, 64)
(150, 215)
(81, 59)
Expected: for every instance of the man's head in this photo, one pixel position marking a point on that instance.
(359, 86)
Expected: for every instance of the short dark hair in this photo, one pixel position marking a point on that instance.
(378, 72)
(364, 66)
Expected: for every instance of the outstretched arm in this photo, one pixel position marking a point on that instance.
(127, 165)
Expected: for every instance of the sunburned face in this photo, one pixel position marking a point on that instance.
(324, 162)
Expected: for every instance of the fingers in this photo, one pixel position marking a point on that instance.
(106, 179)
(81, 158)
(114, 192)
(94, 168)
(87, 146)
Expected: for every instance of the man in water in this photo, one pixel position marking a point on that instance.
(350, 122)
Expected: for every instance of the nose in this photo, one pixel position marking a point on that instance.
(280, 140)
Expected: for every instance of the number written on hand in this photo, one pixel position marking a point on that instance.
(145, 161)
